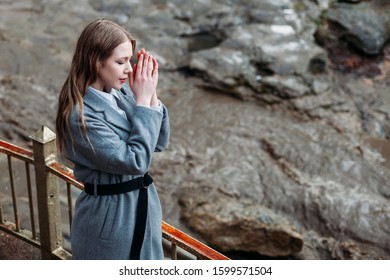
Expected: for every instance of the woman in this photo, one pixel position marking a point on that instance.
(109, 130)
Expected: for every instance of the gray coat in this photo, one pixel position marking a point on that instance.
(116, 150)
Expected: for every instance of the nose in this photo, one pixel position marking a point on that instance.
(128, 68)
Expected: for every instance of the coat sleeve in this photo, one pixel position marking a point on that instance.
(164, 134)
(163, 137)
(103, 150)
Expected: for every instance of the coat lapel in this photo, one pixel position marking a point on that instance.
(111, 116)
(126, 103)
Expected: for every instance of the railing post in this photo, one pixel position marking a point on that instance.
(44, 148)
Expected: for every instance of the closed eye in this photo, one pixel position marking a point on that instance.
(123, 60)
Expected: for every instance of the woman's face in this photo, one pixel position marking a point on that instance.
(113, 72)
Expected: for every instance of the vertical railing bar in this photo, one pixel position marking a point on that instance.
(173, 251)
(70, 204)
(30, 201)
(11, 176)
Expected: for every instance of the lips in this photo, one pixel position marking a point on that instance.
(122, 80)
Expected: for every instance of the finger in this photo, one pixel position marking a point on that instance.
(134, 70)
(155, 67)
(155, 64)
(138, 55)
(150, 65)
(145, 64)
(131, 77)
(139, 65)
(142, 51)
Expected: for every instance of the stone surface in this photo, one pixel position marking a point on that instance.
(365, 26)
(229, 223)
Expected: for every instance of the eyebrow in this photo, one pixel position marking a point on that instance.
(125, 57)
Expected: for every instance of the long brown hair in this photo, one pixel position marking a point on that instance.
(95, 44)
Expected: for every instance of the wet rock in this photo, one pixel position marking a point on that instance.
(261, 62)
(113, 7)
(365, 26)
(231, 224)
(330, 188)
(21, 100)
(327, 248)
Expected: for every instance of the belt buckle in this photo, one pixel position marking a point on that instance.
(143, 185)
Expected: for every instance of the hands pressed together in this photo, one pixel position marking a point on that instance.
(144, 78)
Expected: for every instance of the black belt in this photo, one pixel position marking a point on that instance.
(141, 183)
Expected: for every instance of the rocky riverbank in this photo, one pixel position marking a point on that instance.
(279, 112)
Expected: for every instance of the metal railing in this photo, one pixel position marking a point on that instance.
(48, 173)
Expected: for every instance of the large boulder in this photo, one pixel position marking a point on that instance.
(230, 224)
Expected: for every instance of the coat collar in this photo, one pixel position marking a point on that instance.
(99, 104)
